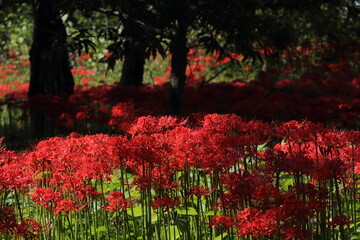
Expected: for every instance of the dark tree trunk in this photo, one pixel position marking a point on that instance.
(133, 66)
(179, 53)
(50, 69)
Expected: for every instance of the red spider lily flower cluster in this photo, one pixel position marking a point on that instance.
(27, 228)
(117, 202)
(291, 180)
(321, 92)
(200, 190)
(166, 203)
(221, 222)
(267, 180)
(8, 221)
(196, 70)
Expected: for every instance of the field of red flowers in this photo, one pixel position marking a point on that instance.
(315, 83)
(277, 157)
(219, 177)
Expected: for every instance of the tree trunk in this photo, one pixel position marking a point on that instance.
(179, 53)
(50, 69)
(133, 66)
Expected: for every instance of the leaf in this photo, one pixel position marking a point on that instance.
(135, 193)
(211, 213)
(42, 174)
(137, 211)
(355, 235)
(154, 217)
(261, 147)
(101, 229)
(286, 180)
(190, 211)
(182, 224)
(172, 232)
(221, 236)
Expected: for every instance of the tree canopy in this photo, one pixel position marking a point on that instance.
(144, 28)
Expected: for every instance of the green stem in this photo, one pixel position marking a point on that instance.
(340, 212)
(354, 186)
(105, 212)
(18, 204)
(70, 226)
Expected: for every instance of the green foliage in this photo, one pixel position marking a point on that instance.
(189, 211)
(15, 29)
(286, 180)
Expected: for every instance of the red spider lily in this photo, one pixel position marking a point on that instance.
(146, 125)
(247, 68)
(220, 222)
(71, 165)
(214, 151)
(294, 159)
(145, 150)
(103, 115)
(240, 186)
(225, 124)
(166, 203)
(163, 178)
(294, 233)
(46, 196)
(66, 206)
(276, 160)
(29, 228)
(107, 55)
(83, 71)
(295, 131)
(14, 177)
(203, 149)
(295, 210)
(85, 113)
(331, 141)
(150, 124)
(253, 223)
(26, 63)
(82, 158)
(353, 137)
(160, 80)
(317, 196)
(121, 115)
(314, 157)
(340, 220)
(83, 56)
(83, 192)
(306, 99)
(357, 169)
(143, 182)
(200, 149)
(148, 159)
(74, 135)
(8, 222)
(122, 109)
(268, 195)
(117, 202)
(6, 157)
(200, 190)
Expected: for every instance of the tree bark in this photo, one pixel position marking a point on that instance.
(179, 53)
(133, 65)
(50, 68)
